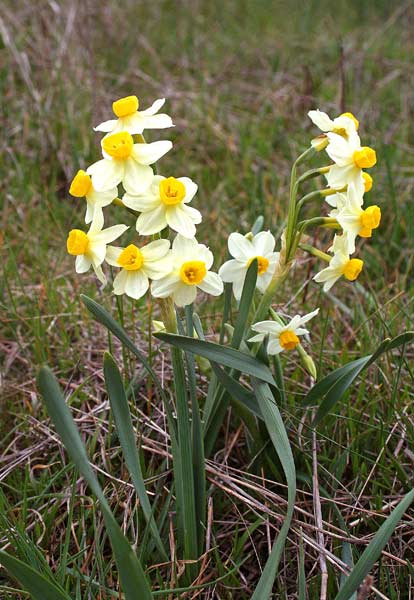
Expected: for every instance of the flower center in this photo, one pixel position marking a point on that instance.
(262, 264)
(172, 191)
(125, 106)
(288, 340)
(370, 219)
(353, 268)
(77, 242)
(81, 185)
(118, 145)
(368, 182)
(352, 117)
(193, 272)
(131, 258)
(365, 157)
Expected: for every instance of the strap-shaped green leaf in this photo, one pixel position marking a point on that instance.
(131, 573)
(124, 427)
(223, 355)
(34, 582)
(280, 440)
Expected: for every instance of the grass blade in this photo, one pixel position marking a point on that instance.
(34, 582)
(131, 573)
(123, 421)
(374, 549)
(280, 440)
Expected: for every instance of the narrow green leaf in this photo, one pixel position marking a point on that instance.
(280, 440)
(131, 573)
(123, 421)
(242, 321)
(237, 390)
(34, 582)
(374, 549)
(223, 355)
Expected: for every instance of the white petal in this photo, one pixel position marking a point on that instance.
(120, 282)
(274, 347)
(257, 338)
(136, 284)
(106, 174)
(82, 263)
(152, 221)
(153, 109)
(106, 126)
(190, 188)
(339, 150)
(267, 327)
(184, 294)
(179, 221)
(155, 250)
(185, 247)
(137, 178)
(205, 254)
(160, 268)
(112, 255)
(211, 284)
(321, 120)
(90, 211)
(264, 243)
(109, 234)
(141, 203)
(232, 270)
(97, 253)
(165, 287)
(338, 177)
(99, 273)
(147, 154)
(308, 317)
(161, 121)
(240, 247)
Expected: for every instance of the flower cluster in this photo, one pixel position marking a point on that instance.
(348, 182)
(177, 268)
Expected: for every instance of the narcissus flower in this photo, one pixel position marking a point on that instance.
(353, 219)
(191, 264)
(127, 163)
(90, 248)
(244, 250)
(133, 120)
(165, 203)
(345, 125)
(340, 264)
(81, 187)
(282, 337)
(138, 265)
(350, 158)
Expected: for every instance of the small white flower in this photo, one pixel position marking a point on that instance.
(133, 120)
(282, 337)
(190, 270)
(81, 187)
(90, 248)
(244, 251)
(165, 203)
(353, 219)
(349, 158)
(127, 163)
(152, 261)
(345, 125)
(340, 264)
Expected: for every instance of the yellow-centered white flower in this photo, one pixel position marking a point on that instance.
(81, 187)
(340, 264)
(190, 270)
(345, 125)
(127, 163)
(349, 158)
(138, 266)
(90, 248)
(166, 203)
(353, 219)
(282, 337)
(244, 249)
(133, 120)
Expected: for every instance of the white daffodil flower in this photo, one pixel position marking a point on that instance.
(244, 250)
(349, 158)
(90, 248)
(353, 219)
(81, 187)
(191, 264)
(138, 265)
(165, 203)
(340, 264)
(345, 125)
(282, 337)
(133, 120)
(127, 163)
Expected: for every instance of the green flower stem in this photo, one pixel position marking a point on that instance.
(315, 252)
(311, 174)
(318, 222)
